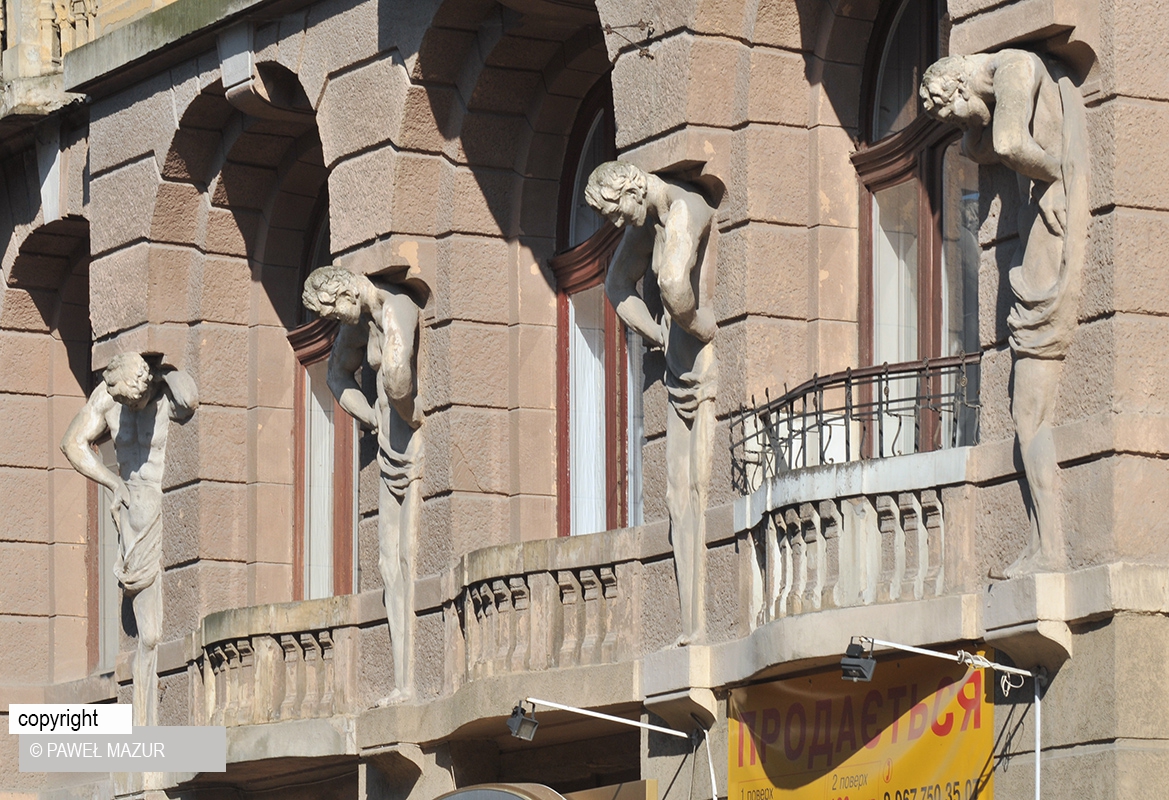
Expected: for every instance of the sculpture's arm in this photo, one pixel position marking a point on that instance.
(629, 264)
(977, 146)
(400, 323)
(83, 432)
(1016, 86)
(344, 360)
(675, 278)
(184, 394)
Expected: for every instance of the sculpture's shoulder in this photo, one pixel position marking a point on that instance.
(181, 393)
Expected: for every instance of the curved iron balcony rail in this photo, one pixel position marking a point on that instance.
(870, 412)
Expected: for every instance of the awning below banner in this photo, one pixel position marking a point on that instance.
(504, 791)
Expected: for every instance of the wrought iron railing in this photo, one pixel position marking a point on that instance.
(871, 412)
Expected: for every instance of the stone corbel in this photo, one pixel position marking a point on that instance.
(1027, 619)
(266, 91)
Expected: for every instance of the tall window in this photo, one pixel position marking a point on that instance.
(919, 209)
(599, 364)
(324, 556)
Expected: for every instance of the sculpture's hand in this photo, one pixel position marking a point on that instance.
(1053, 209)
(121, 500)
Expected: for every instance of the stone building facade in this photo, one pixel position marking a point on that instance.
(172, 171)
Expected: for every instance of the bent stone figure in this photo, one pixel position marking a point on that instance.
(135, 403)
(1019, 110)
(379, 324)
(673, 248)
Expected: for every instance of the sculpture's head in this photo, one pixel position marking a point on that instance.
(947, 95)
(129, 380)
(617, 190)
(331, 293)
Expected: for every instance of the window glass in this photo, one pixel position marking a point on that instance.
(584, 221)
(959, 253)
(900, 73)
(586, 320)
(895, 216)
(318, 494)
(109, 600)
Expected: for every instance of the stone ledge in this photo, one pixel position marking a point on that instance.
(300, 738)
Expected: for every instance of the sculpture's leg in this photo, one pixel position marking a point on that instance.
(687, 519)
(148, 618)
(1033, 408)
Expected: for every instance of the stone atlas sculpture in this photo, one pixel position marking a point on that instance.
(672, 250)
(1021, 110)
(379, 326)
(134, 404)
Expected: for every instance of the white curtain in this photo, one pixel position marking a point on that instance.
(586, 353)
(318, 512)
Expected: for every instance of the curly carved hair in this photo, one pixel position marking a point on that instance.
(610, 181)
(942, 80)
(324, 285)
(121, 372)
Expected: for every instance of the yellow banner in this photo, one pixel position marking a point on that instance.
(922, 730)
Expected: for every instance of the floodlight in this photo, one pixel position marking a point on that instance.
(856, 666)
(522, 726)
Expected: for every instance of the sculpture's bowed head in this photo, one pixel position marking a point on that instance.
(947, 95)
(617, 190)
(331, 292)
(128, 378)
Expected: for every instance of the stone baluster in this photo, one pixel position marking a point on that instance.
(490, 630)
(473, 615)
(590, 590)
(544, 618)
(935, 530)
(570, 618)
(814, 555)
(216, 690)
(609, 622)
(292, 676)
(328, 674)
(312, 668)
(892, 549)
(454, 634)
(245, 681)
(504, 625)
(627, 610)
(784, 574)
(269, 678)
(799, 554)
(758, 575)
(833, 594)
(916, 547)
(231, 681)
(517, 659)
(863, 543)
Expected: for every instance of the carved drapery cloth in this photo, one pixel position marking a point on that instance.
(139, 551)
(399, 470)
(1043, 318)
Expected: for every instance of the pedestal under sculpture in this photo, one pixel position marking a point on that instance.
(134, 404)
(1021, 110)
(379, 326)
(672, 251)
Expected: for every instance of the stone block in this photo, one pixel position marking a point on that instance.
(211, 445)
(653, 484)
(70, 365)
(174, 282)
(467, 450)
(1136, 36)
(194, 153)
(361, 192)
(533, 517)
(661, 619)
(30, 663)
(719, 77)
(792, 26)
(1127, 155)
(21, 357)
(1001, 528)
(994, 294)
(220, 352)
(652, 96)
(130, 124)
(1138, 388)
(724, 618)
(505, 91)
(837, 98)
(231, 233)
(69, 498)
(554, 114)
(1139, 264)
(484, 202)
(545, 156)
(273, 368)
(368, 575)
(538, 210)
(24, 432)
(206, 520)
(26, 517)
(778, 91)
(763, 269)
(836, 202)
(269, 583)
(836, 346)
(180, 214)
(68, 597)
(22, 310)
(122, 205)
(470, 279)
(533, 298)
(336, 35)
(834, 252)
(420, 192)
(276, 297)
(378, 89)
(533, 451)
(242, 186)
(492, 140)
(757, 355)
(441, 55)
(112, 307)
(532, 378)
(478, 521)
(1087, 384)
(271, 443)
(34, 564)
(723, 18)
(193, 591)
(463, 365)
(62, 410)
(774, 160)
(271, 512)
(70, 657)
(226, 290)
(430, 117)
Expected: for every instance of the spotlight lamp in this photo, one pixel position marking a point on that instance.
(856, 664)
(523, 726)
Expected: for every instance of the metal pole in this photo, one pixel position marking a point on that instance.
(1038, 727)
(609, 717)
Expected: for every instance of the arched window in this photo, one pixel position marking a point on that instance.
(598, 365)
(324, 556)
(919, 202)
